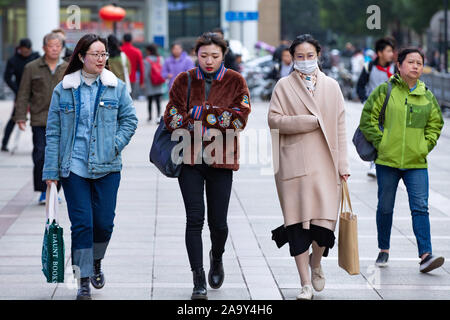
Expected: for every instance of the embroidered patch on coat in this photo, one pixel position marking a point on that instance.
(245, 101)
(211, 119)
(176, 122)
(225, 119)
(237, 124)
(173, 111)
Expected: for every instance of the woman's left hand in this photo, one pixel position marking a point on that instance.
(345, 177)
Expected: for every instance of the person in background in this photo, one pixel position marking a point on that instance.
(435, 61)
(12, 76)
(412, 126)
(39, 79)
(118, 62)
(153, 63)
(193, 56)
(282, 69)
(178, 62)
(375, 73)
(230, 58)
(66, 53)
(239, 62)
(84, 153)
(137, 64)
(285, 44)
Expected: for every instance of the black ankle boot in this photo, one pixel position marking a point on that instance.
(84, 292)
(199, 292)
(98, 280)
(216, 274)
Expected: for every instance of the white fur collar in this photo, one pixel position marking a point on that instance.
(73, 80)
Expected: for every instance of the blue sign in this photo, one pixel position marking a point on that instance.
(159, 40)
(241, 15)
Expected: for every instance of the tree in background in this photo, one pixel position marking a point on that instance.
(299, 17)
(399, 17)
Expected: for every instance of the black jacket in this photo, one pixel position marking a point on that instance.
(14, 69)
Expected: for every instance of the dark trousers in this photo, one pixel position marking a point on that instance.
(38, 155)
(157, 99)
(91, 204)
(218, 182)
(8, 130)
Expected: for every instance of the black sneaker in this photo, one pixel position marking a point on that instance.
(382, 260)
(5, 149)
(430, 263)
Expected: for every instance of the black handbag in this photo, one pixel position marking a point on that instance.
(162, 146)
(364, 148)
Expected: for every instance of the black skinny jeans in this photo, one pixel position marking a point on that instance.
(192, 181)
(157, 99)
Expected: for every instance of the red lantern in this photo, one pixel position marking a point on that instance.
(112, 13)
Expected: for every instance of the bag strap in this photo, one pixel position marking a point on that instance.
(382, 115)
(51, 206)
(188, 90)
(345, 199)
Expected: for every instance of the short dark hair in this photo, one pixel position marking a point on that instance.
(382, 43)
(25, 42)
(211, 38)
(404, 53)
(127, 37)
(302, 39)
(218, 30)
(176, 44)
(152, 49)
(81, 48)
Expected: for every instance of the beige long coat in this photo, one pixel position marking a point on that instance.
(312, 151)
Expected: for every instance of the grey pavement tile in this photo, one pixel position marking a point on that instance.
(414, 293)
(337, 294)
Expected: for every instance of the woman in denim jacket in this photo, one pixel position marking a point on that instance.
(91, 119)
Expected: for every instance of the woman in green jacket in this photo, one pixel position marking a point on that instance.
(413, 123)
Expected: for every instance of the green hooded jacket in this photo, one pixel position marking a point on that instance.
(412, 125)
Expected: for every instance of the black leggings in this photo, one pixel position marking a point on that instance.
(192, 181)
(157, 98)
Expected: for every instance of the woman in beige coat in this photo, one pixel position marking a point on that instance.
(307, 108)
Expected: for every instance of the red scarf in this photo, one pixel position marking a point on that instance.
(389, 74)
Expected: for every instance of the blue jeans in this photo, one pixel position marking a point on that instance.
(416, 182)
(91, 204)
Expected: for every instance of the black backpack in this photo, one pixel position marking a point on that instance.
(365, 149)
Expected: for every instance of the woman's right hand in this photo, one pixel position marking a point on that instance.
(49, 182)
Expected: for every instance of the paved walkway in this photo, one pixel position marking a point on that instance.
(147, 257)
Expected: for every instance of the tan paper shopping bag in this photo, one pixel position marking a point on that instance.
(348, 235)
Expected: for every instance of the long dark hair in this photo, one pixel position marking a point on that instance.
(113, 46)
(304, 38)
(81, 48)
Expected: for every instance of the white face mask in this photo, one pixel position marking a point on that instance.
(306, 66)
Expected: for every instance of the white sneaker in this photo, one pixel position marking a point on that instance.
(372, 171)
(317, 277)
(306, 293)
